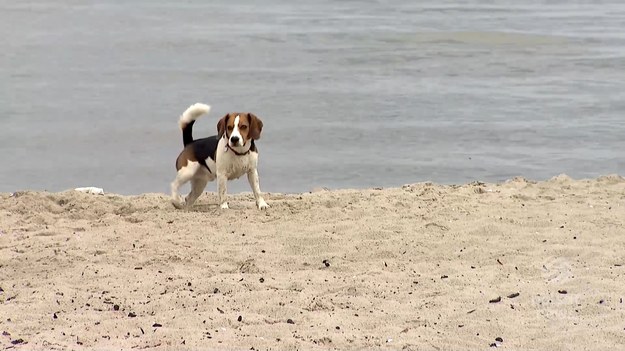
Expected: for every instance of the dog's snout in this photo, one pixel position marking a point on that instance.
(234, 139)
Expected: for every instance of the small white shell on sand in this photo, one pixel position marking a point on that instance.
(91, 190)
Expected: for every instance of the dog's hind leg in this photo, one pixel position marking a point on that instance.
(184, 175)
(198, 183)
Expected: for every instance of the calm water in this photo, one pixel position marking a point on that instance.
(352, 93)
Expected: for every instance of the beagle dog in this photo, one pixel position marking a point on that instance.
(225, 156)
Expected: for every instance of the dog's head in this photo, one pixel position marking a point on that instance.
(239, 128)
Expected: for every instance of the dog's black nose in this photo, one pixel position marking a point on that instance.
(234, 139)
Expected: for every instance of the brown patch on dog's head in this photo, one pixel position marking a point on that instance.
(249, 126)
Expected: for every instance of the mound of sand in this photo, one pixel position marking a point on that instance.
(539, 265)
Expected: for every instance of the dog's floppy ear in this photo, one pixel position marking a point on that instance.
(256, 126)
(221, 125)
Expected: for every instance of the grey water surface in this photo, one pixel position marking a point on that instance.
(352, 94)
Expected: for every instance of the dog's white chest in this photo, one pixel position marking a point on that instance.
(233, 166)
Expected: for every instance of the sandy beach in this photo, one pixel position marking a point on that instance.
(519, 265)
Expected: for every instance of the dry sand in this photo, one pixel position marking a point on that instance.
(410, 268)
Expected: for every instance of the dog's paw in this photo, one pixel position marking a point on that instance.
(179, 203)
(262, 205)
(224, 206)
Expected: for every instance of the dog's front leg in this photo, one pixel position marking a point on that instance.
(223, 182)
(252, 177)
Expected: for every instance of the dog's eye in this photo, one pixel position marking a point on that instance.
(243, 127)
(229, 128)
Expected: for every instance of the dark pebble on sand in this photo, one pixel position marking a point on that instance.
(220, 310)
(499, 339)
(240, 319)
(444, 277)
(290, 321)
(493, 345)
(17, 341)
(495, 300)
(512, 296)
(326, 262)
(601, 301)
(157, 325)
(116, 307)
(562, 291)
(215, 291)
(262, 280)
(54, 316)
(132, 315)
(188, 283)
